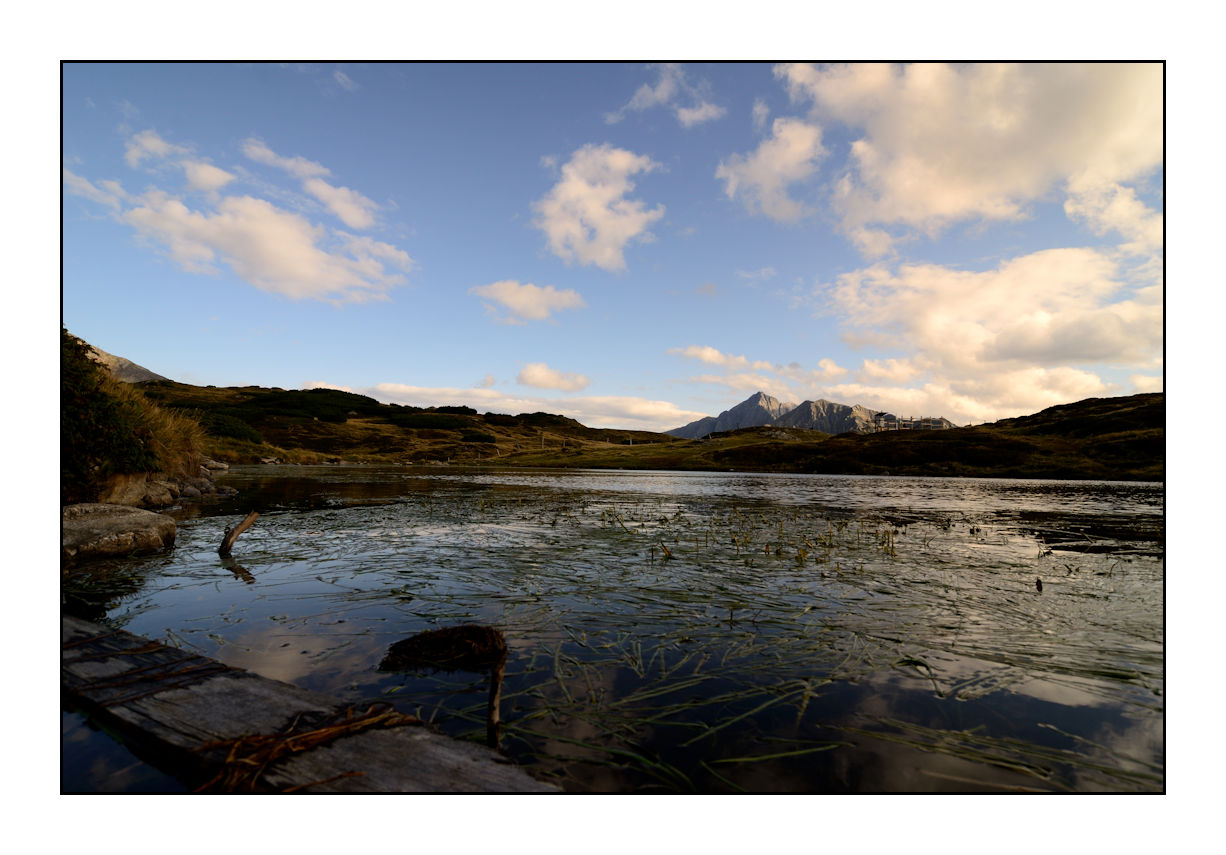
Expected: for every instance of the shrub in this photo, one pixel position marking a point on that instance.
(223, 424)
(108, 427)
(475, 436)
(426, 420)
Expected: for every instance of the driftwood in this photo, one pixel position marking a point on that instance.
(232, 534)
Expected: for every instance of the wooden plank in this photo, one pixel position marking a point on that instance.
(193, 713)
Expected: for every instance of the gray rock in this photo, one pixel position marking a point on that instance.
(123, 369)
(828, 417)
(100, 530)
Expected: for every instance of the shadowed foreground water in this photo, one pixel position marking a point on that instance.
(710, 632)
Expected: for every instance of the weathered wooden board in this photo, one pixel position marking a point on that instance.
(176, 705)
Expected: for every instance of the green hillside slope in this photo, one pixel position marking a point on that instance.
(1099, 438)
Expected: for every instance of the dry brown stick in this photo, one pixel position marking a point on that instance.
(233, 533)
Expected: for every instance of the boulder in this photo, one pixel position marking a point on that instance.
(100, 530)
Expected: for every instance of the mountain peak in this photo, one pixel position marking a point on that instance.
(756, 410)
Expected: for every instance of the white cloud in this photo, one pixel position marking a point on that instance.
(941, 144)
(147, 144)
(1033, 332)
(888, 370)
(528, 302)
(275, 250)
(83, 187)
(761, 112)
(704, 112)
(1110, 207)
(1146, 382)
(541, 376)
(206, 176)
(761, 179)
(672, 86)
(587, 217)
(346, 82)
(741, 374)
(299, 167)
(350, 206)
(712, 356)
(761, 273)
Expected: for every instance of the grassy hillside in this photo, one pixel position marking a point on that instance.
(318, 425)
(110, 428)
(1101, 438)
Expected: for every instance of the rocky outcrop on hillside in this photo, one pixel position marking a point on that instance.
(100, 530)
(123, 369)
(828, 417)
(755, 411)
(155, 490)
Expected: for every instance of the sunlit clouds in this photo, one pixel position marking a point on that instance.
(541, 376)
(516, 302)
(206, 176)
(350, 206)
(937, 144)
(762, 180)
(147, 144)
(979, 345)
(276, 250)
(587, 216)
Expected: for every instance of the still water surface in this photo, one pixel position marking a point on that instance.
(709, 632)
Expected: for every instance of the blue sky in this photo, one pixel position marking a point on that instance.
(633, 245)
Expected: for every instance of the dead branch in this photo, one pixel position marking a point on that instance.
(233, 533)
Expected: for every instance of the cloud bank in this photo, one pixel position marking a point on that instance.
(276, 250)
(938, 144)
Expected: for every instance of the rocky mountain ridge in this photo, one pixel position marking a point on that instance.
(123, 369)
(760, 410)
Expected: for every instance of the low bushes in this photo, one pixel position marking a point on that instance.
(108, 428)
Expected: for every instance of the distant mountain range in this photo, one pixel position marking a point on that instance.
(760, 409)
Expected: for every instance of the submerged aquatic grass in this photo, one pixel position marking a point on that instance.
(712, 632)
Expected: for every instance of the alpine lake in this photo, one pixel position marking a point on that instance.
(686, 632)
